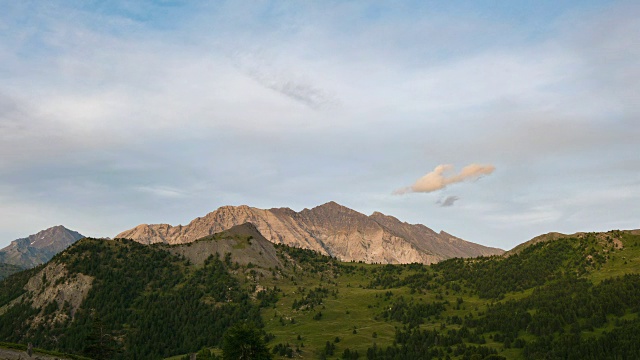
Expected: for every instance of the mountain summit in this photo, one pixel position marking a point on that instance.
(331, 229)
(38, 248)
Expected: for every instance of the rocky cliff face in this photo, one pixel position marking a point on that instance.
(39, 248)
(330, 229)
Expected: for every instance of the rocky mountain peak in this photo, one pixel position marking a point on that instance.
(57, 237)
(40, 247)
(331, 205)
(333, 209)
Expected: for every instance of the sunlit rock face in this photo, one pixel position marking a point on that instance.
(330, 229)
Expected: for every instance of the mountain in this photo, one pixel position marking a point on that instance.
(574, 297)
(330, 229)
(147, 302)
(39, 248)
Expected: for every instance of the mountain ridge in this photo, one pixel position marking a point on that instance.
(331, 229)
(551, 236)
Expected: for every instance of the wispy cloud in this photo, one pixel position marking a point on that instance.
(438, 179)
(285, 82)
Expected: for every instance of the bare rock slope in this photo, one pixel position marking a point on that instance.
(38, 248)
(330, 229)
(243, 243)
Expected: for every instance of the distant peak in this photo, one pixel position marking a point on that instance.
(222, 210)
(57, 227)
(332, 207)
(233, 207)
(330, 204)
(225, 207)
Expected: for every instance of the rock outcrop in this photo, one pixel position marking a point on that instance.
(54, 283)
(330, 229)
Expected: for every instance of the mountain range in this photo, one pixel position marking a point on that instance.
(330, 229)
(38, 248)
(574, 295)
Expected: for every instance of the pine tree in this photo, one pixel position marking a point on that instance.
(243, 342)
(99, 343)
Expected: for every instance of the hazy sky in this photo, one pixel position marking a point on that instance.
(493, 121)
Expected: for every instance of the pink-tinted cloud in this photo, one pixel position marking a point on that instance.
(439, 178)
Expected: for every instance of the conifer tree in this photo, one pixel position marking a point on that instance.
(243, 342)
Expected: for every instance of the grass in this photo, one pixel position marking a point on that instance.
(621, 261)
(358, 307)
(355, 308)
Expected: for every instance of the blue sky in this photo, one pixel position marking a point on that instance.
(120, 113)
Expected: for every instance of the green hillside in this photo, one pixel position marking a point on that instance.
(568, 298)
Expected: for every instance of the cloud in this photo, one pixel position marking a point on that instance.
(284, 81)
(228, 103)
(448, 201)
(438, 179)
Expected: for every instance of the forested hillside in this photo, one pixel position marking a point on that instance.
(150, 303)
(8, 269)
(568, 298)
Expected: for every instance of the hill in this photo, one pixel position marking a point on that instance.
(574, 297)
(38, 248)
(554, 236)
(330, 229)
(243, 243)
